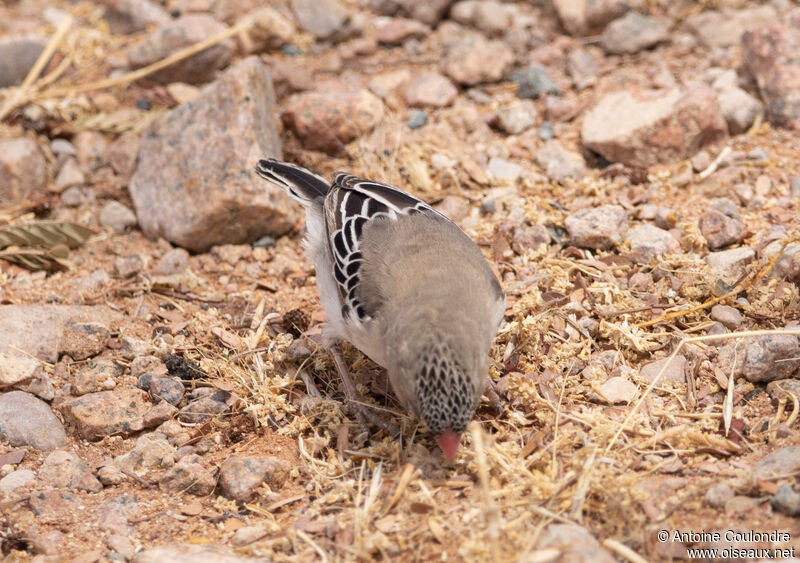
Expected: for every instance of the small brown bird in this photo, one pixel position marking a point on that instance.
(406, 286)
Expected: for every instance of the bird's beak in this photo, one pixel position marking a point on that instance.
(448, 441)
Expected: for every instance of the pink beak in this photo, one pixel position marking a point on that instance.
(448, 441)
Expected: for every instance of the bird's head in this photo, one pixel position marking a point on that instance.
(442, 383)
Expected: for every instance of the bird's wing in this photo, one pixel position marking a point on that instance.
(351, 203)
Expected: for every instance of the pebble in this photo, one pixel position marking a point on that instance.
(786, 500)
(70, 175)
(729, 265)
(123, 153)
(430, 89)
(581, 69)
(724, 28)
(618, 390)
(426, 11)
(529, 237)
(580, 18)
(648, 241)
(476, 60)
(624, 125)
(545, 132)
(110, 475)
(719, 494)
(73, 197)
(147, 453)
(16, 369)
(329, 117)
(23, 170)
(65, 470)
(130, 16)
(188, 476)
(632, 33)
(249, 534)
(169, 389)
(794, 185)
(573, 543)
(187, 553)
(117, 216)
(761, 358)
(397, 30)
(17, 57)
(202, 408)
(175, 261)
(534, 81)
(739, 108)
(28, 421)
(127, 266)
(418, 119)
(15, 480)
(269, 30)
(122, 545)
(97, 375)
(489, 16)
(675, 372)
(82, 340)
(324, 19)
(515, 117)
(95, 415)
(240, 477)
(599, 228)
(503, 170)
(731, 318)
(719, 229)
(175, 35)
(741, 505)
(559, 163)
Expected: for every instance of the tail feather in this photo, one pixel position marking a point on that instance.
(303, 185)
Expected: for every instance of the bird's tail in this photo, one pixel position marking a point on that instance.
(303, 185)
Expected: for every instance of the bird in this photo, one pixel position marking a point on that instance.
(404, 285)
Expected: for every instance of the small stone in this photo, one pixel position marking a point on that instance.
(65, 470)
(545, 132)
(122, 154)
(110, 475)
(240, 477)
(724, 28)
(130, 16)
(28, 421)
(169, 389)
(187, 553)
(516, 117)
(117, 216)
(477, 60)
(719, 229)
(105, 413)
(69, 176)
(430, 89)
(16, 369)
(529, 238)
(534, 81)
(700, 161)
(741, 505)
(761, 358)
(328, 118)
(618, 390)
(73, 197)
(324, 19)
(397, 30)
(489, 16)
(729, 265)
(573, 543)
(203, 408)
(726, 315)
(127, 266)
(600, 227)
(794, 186)
(503, 170)
(122, 545)
(15, 480)
(91, 147)
(580, 17)
(675, 371)
(23, 170)
(632, 33)
(581, 69)
(83, 340)
(739, 108)
(95, 376)
(559, 163)
(269, 29)
(249, 534)
(719, 494)
(17, 57)
(148, 453)
(188, 476)
(648, 241)
(144, 381)
(418, 119)
(173, 262)
(786, 500)
(175, 35)
(785, 461)
(49, 543)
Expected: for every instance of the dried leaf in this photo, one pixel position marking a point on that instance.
(44, 234)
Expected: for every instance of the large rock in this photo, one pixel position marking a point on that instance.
(28, 421)
(178, 34)
(37, 329)
(583, 16)
(17, 56)
(194, 184)
(724, 28)
(333, 115)
(22, 169)
(770, 57)
(651, 127)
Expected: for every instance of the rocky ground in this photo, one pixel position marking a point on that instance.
(631, 170)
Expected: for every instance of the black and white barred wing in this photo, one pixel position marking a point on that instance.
(349, 205)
